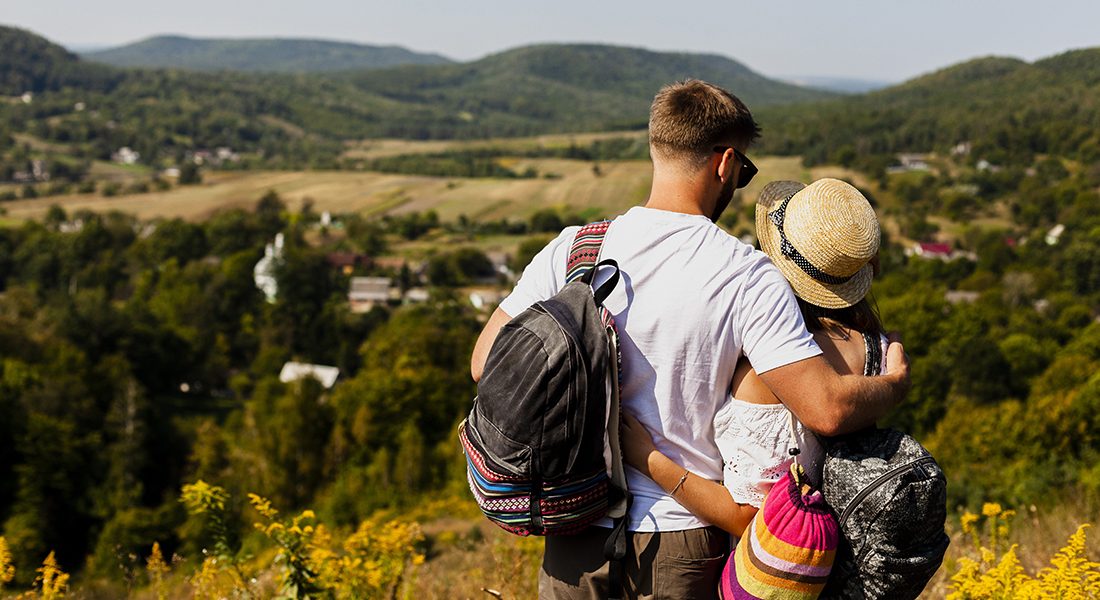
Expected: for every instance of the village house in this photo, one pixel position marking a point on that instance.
(416, 296)
(1055, 234)
(365, 293)
(486, 299)
(930, 250)
(126, 156)
(294, 371)
(909, 162)
(937, 251)
(347, 262)
(960, 296)
(962, 149)
(985, 165)
(500, 262)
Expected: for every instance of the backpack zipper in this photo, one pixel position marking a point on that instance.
(877, 483)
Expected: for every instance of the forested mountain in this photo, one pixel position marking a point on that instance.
(557, 88)
(1009, 111)
(264, 54)
(298, 120)
(29, 63)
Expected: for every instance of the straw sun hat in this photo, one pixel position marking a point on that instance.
(821, 236)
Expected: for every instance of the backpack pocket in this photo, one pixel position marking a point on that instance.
(507, 457)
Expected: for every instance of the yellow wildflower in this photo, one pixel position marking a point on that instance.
(263, 506)
(991, 509)
(7, 570)
(967, 521)
(157, 569)
(52, 581)
(201, 497)
(1071, 575)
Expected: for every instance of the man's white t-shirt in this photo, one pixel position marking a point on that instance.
(692, 300)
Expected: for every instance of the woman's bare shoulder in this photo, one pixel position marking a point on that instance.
(748, 387)
(843, 348)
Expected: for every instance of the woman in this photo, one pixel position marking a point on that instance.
(824, 238)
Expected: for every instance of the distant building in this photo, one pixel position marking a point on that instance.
(367, 292)
(294, 371)
(484, 300)
(266, 270)
(960, 296)
(909, 162)
(173, 172)
(985, 165)
(962, 149)
(1055, 234)
(73, 226)
(930, 250)
(416, 295)
(27, 97)
(938, 251)
(126, 156)
(347, 261)
(38, 170)
(500, 264)
(226, 154)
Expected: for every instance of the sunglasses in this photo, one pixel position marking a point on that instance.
(748, 170)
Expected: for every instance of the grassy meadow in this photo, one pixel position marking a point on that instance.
(592, 189)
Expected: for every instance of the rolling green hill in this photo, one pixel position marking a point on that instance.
(262, 55)
(1009, 111)
(29, 63)
(556, 88)
(286, 120)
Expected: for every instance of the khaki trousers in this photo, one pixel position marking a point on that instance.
(668, 565)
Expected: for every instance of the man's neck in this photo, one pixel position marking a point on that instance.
(678, 194)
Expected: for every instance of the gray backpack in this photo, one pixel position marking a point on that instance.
(890, 497)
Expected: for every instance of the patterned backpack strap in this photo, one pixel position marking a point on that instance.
(585, 250)
(583, 258)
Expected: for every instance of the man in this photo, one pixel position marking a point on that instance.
(694, 300)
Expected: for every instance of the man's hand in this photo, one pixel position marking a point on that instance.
(829, 403)
(485, 342)
(897, 361)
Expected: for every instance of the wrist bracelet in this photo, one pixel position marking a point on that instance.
(680, 483)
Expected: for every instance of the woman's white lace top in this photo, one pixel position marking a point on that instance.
(755, 442)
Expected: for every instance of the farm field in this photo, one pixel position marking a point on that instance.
(563, 184)
(381, 148)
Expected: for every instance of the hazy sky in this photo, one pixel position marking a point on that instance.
(885, 40)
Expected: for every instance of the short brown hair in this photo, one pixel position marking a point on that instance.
(688, 118)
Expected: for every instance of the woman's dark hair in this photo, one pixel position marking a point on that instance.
(861, 316)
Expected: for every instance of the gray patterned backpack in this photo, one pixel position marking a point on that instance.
(890, 497)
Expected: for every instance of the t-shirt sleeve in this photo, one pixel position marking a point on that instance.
(543, 277)
(773, 331)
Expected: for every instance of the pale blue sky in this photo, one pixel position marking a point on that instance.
(883, 40)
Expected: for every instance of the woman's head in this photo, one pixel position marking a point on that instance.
(824, 238)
